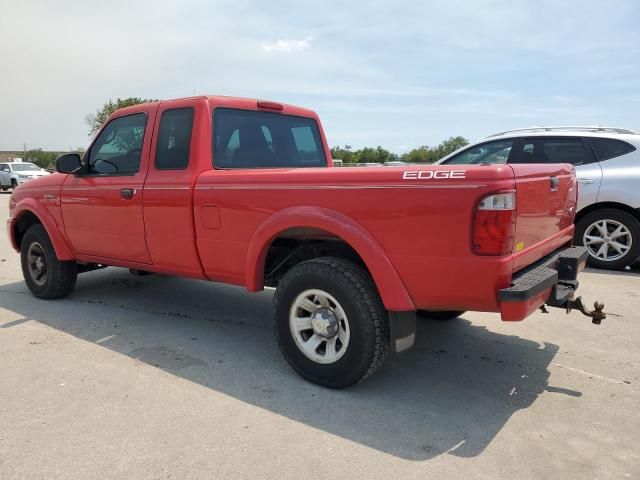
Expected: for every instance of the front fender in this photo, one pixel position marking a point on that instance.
(53, 228)
(392, 291)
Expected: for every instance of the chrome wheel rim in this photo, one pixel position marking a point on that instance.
(37, 262)
(607, 240)
(319, 326)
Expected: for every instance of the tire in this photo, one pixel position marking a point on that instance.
(45, 275)
(600, 224)
(14, 184)
(442, 316)
(344, 297)
(4, 189)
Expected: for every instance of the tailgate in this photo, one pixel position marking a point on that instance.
(546, 199)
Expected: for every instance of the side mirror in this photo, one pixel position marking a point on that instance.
(68, 163)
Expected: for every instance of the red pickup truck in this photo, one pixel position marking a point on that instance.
(242, 191)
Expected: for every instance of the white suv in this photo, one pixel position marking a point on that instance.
(13, 174)
(607, 162)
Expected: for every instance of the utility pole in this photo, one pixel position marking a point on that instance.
(24, 148)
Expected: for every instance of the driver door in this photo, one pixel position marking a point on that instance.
(102, 204)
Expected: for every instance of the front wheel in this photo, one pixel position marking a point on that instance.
(45, 275)
(611, 236)
(330, 323)
(14, 184)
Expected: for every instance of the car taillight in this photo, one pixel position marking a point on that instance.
(494, 225)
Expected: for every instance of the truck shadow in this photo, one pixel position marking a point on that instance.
(452, 394)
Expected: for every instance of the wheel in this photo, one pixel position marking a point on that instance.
(330, 323)
(14, 184)
(45, 275)
(439, 315)
(4, 189)
(611, 236)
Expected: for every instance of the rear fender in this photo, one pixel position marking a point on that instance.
(392, 291)
(53, 228)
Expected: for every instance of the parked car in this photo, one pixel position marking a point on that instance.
(241, 191)
(607, 162)
(13, 174)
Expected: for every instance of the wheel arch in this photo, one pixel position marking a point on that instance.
(602, 205)
(28, 213)
(392, 291)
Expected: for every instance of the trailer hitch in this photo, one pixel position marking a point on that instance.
(596, 315)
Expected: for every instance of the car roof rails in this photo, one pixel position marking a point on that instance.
(587, 128)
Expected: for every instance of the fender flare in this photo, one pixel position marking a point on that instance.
(53, 228)
(392, 291)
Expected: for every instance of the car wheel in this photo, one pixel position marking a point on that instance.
(611, 236)
(4, 189)
(439, 315)
(45, 275)
(14, 184)
(330, 323)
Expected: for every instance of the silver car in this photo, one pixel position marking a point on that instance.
(607, 162)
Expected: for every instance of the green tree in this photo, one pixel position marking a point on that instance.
(95, 120)
(448, 146)
(41, 158)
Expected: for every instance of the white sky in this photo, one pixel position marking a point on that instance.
(396, 74)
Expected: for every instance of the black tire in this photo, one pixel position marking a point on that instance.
(4, 189)
(368, 321)
(442, 316)
(14, 184)
(59, 276)
(629, 221)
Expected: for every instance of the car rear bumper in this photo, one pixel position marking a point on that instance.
(552, 280)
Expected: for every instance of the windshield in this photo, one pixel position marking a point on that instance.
(24, 167)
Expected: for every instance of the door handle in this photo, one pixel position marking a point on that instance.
(554, 183)
(127, 193)
(585, 180)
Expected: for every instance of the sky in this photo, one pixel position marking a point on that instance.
(399, 74)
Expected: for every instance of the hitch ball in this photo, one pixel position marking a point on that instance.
(596, 315)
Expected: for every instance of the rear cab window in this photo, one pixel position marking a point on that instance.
(255, 139)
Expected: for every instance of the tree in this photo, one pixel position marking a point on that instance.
(41, 158)
(95, 120)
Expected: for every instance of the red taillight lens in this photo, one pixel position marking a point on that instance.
(495, 223)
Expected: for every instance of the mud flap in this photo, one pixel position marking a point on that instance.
(402, 326)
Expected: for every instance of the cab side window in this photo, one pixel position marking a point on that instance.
(4, 168)
(491, 152)
(174, 139)
(118, 148)
(553, 150)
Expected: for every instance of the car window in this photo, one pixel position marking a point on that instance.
(174, 139)
(606, 148)
(251, 139)
(491, 152)
(552, 150)
(4, 168)
(118, 148)
(25, 167)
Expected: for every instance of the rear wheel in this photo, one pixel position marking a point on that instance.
(45, 275)
(611, 236)
(439, 315)
(331, 325)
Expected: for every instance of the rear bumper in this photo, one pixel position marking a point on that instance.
(552, 280)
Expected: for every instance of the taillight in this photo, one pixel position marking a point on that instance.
(495, 223)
